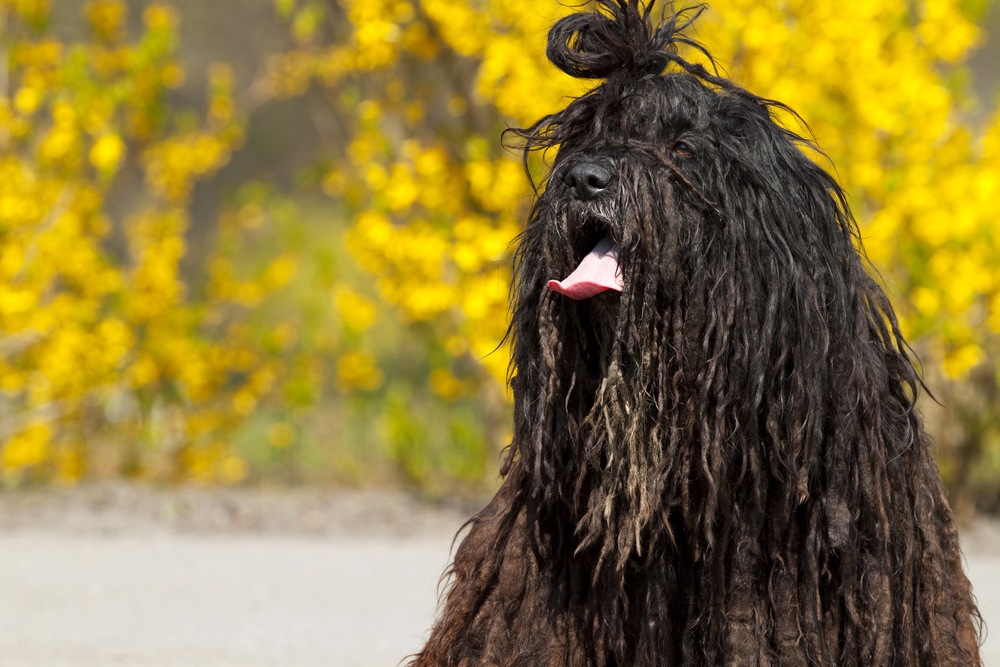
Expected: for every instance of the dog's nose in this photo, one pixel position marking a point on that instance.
(587, 179)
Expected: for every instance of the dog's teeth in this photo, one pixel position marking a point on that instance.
(598, 272)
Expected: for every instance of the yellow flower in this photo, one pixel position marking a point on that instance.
(17, 301)
(159, 17)
(280, 272)
(356, 312)
(27, 100)
(958, 363)
(144, 371)
(356, 371)
(244, 402)
(107, 152)
(25, 449)
(106, 17)
(446, 385)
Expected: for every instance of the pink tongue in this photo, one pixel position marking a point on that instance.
(598, 272)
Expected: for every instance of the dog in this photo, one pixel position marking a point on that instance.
(716, 458)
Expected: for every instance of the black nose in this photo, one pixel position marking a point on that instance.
(587, 179)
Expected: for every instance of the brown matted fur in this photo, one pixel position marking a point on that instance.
(723, 463)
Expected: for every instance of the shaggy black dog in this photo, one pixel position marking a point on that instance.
(716, 456)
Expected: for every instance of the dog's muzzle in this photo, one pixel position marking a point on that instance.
(598, 271)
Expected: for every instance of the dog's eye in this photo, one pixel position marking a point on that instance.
(682, 148)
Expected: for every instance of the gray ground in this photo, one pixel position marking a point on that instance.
(119, 575)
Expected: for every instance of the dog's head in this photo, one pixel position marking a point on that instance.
(668, 179)
(691, 313)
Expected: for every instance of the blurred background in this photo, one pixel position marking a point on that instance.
(265, 244)
(257, 241)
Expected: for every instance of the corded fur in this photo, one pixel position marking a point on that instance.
(723, 464)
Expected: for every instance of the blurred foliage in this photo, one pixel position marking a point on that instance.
(109, 356)
(375, 352)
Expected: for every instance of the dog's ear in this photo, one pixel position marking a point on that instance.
(618, 38)
(773, 185)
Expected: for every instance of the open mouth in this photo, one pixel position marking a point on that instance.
(598, 270)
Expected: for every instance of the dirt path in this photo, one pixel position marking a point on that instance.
(126, 576)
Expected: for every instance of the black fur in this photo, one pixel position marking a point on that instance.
(722, 464)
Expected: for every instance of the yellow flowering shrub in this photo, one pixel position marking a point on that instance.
(105, 342)
(111, 342)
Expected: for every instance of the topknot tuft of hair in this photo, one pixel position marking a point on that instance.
(618, 38)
